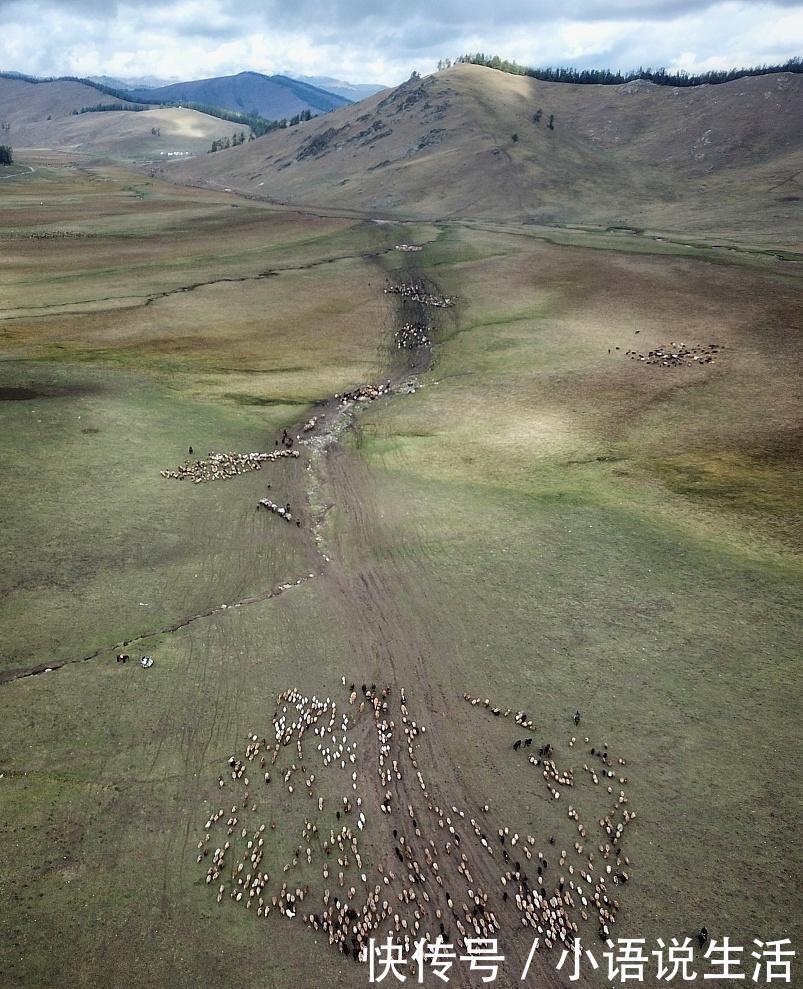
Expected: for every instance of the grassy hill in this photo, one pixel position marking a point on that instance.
(469, 142)
(272, 97)
(42, 115)
(23, 101)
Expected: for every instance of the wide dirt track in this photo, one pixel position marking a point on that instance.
(542, 523)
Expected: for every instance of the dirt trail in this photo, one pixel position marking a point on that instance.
(388, 646)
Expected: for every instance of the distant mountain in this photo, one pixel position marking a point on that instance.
(352, 91)
(132, 82)
(272, 97)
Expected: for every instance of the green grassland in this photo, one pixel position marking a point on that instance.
(547, 524)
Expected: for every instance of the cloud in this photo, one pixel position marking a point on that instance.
(366, 41)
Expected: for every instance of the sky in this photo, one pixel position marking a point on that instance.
(382, 41)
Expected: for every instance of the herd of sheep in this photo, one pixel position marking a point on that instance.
(221, 466)
(380, 850)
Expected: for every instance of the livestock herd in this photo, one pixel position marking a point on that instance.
(364, 393)
(410, 336)
(377, 849)
(678, 355)
(417, 291)
(221, 466)
(283, 511)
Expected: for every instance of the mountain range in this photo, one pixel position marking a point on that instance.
(72, 114)
(351, 91)
(132, 82)
(50, 115)
(272, 97)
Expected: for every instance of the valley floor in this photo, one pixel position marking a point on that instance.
(533, 516)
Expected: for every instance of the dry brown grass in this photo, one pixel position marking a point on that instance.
(720, 161)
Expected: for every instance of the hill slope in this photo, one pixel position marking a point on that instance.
(724, 159)
(23, 102)
(40, 115)
(273, 97)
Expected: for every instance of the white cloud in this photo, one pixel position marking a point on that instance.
(364, 41)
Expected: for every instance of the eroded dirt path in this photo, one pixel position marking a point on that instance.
(389, 645)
